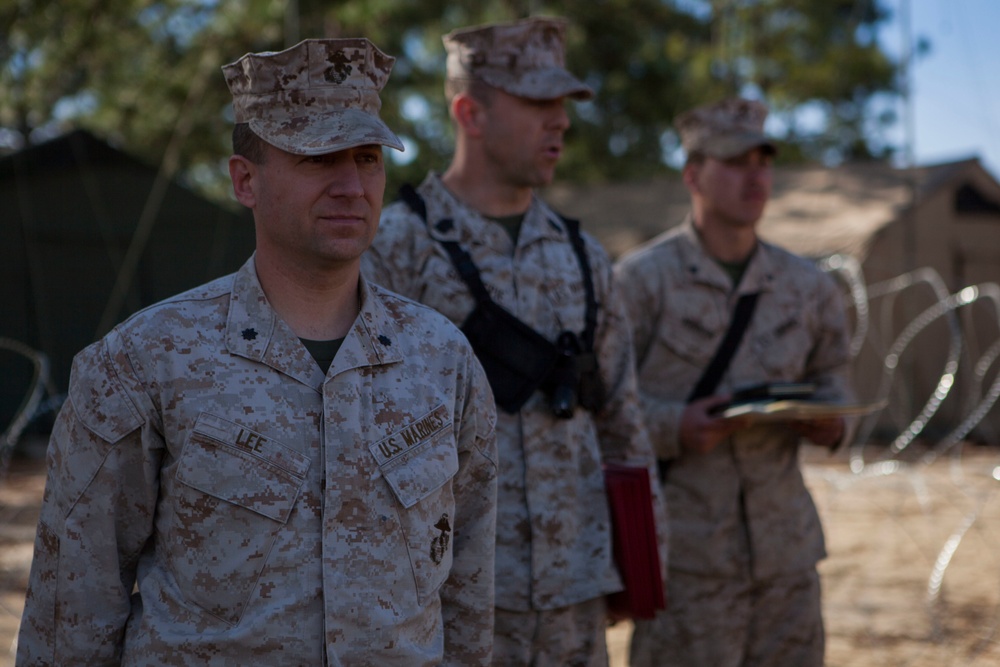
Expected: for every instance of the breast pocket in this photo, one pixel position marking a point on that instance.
(687, 340)
(783, 346)
(418, 463)
(236, 489)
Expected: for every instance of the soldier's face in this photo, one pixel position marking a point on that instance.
(318, 211)
(733, 191)
(523, 139)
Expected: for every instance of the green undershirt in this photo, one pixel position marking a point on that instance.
(734, 269)
(511, 223)
(323, 351)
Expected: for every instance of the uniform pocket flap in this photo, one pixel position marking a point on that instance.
(242, 467)
(97, 395)
(420, 458)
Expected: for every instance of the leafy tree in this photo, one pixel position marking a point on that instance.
(797, 53)
(145, 73)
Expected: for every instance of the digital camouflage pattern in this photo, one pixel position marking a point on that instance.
(724, 129)
(266, 513)
(524, 58)
(710, 619)
(742, 511)
(319, 96)
(553, 530)
(679, 301)
(573, 636)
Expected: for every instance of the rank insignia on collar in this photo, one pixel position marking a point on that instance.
(249, 334)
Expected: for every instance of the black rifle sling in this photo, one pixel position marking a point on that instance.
(716, 368)
(590, 328)
(460, 259)
(466, 268)
(591, 391)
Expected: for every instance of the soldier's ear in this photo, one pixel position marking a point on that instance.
(690, 176)
(468, 113)
(243, 173)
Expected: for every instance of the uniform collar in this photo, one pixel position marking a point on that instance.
(450, 219)
(255, 331)
(758, 277)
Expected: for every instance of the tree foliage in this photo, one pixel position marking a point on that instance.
(146, 74)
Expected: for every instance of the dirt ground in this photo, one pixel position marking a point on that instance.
(912, 580)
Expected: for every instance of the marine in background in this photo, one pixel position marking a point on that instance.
(478, 244)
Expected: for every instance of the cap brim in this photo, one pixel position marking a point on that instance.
(726, 146)
(326, 132)
(547, 84)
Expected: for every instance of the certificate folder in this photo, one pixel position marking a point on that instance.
(799, 410)
(636, 551)
(767, 392)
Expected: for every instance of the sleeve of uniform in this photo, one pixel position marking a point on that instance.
(390, 261)
(829, 363)
(643, 301)
(467, 596)
(620, 425)
(97, 514)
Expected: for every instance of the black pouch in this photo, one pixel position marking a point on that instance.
(516, 358)
(593, 396)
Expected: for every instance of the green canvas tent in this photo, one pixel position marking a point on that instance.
(69, 209)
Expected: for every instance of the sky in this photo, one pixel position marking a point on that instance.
(955, 86)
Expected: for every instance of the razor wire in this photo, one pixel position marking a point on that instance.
(849, 270)
(30, 406)
(944, 307)
(974, 409)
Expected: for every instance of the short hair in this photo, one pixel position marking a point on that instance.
(477, 89)
(248, 144)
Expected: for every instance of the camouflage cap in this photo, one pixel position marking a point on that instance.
(319, 96)
(724, 129)
(524, 58)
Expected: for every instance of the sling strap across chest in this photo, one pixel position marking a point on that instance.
(716, 368)
(517, 359)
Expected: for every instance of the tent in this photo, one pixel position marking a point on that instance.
(70, 209)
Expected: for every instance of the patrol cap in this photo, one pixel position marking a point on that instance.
(524, 58)
(725, 129)
(319, 96)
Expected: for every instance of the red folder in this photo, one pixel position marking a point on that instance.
(636, 550)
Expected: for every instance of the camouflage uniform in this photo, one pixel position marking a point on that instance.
(215, 498)
(745, 536)
(553, 550)
(266, 513)
(741, 513)
(553, 534)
